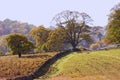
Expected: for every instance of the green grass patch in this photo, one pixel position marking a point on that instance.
(96, 64)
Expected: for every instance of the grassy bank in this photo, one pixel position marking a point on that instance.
(98, 65)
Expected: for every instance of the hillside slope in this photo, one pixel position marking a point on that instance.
(98, 65)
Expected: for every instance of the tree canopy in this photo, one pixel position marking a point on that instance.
(18, 43)
(56, 40)
(74, 25)
(113, 26)
(40, 34)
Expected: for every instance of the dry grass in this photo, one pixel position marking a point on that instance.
(12, 66)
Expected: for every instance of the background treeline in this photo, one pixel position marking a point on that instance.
(8, 26)
(45, 39)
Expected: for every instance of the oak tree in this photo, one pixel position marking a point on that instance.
(74, 25)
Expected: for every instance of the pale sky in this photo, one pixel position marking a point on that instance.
(41, 12)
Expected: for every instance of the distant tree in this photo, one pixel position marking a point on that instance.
(56, 40)
(3, 45)
(40, 34)
(19, 44)
(98, 31)
(87, 37)
(74, 25)
(113, 26)
(9, 26)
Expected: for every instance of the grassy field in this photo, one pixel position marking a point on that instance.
(12, 66)
(98, 65)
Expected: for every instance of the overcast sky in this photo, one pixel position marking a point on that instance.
(41, 12)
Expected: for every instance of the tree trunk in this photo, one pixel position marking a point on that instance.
(19, 54)
(74, 47)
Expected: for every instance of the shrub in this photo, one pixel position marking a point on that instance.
(2, 53)
(81, 48)
(40, 49)
(43, 48)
